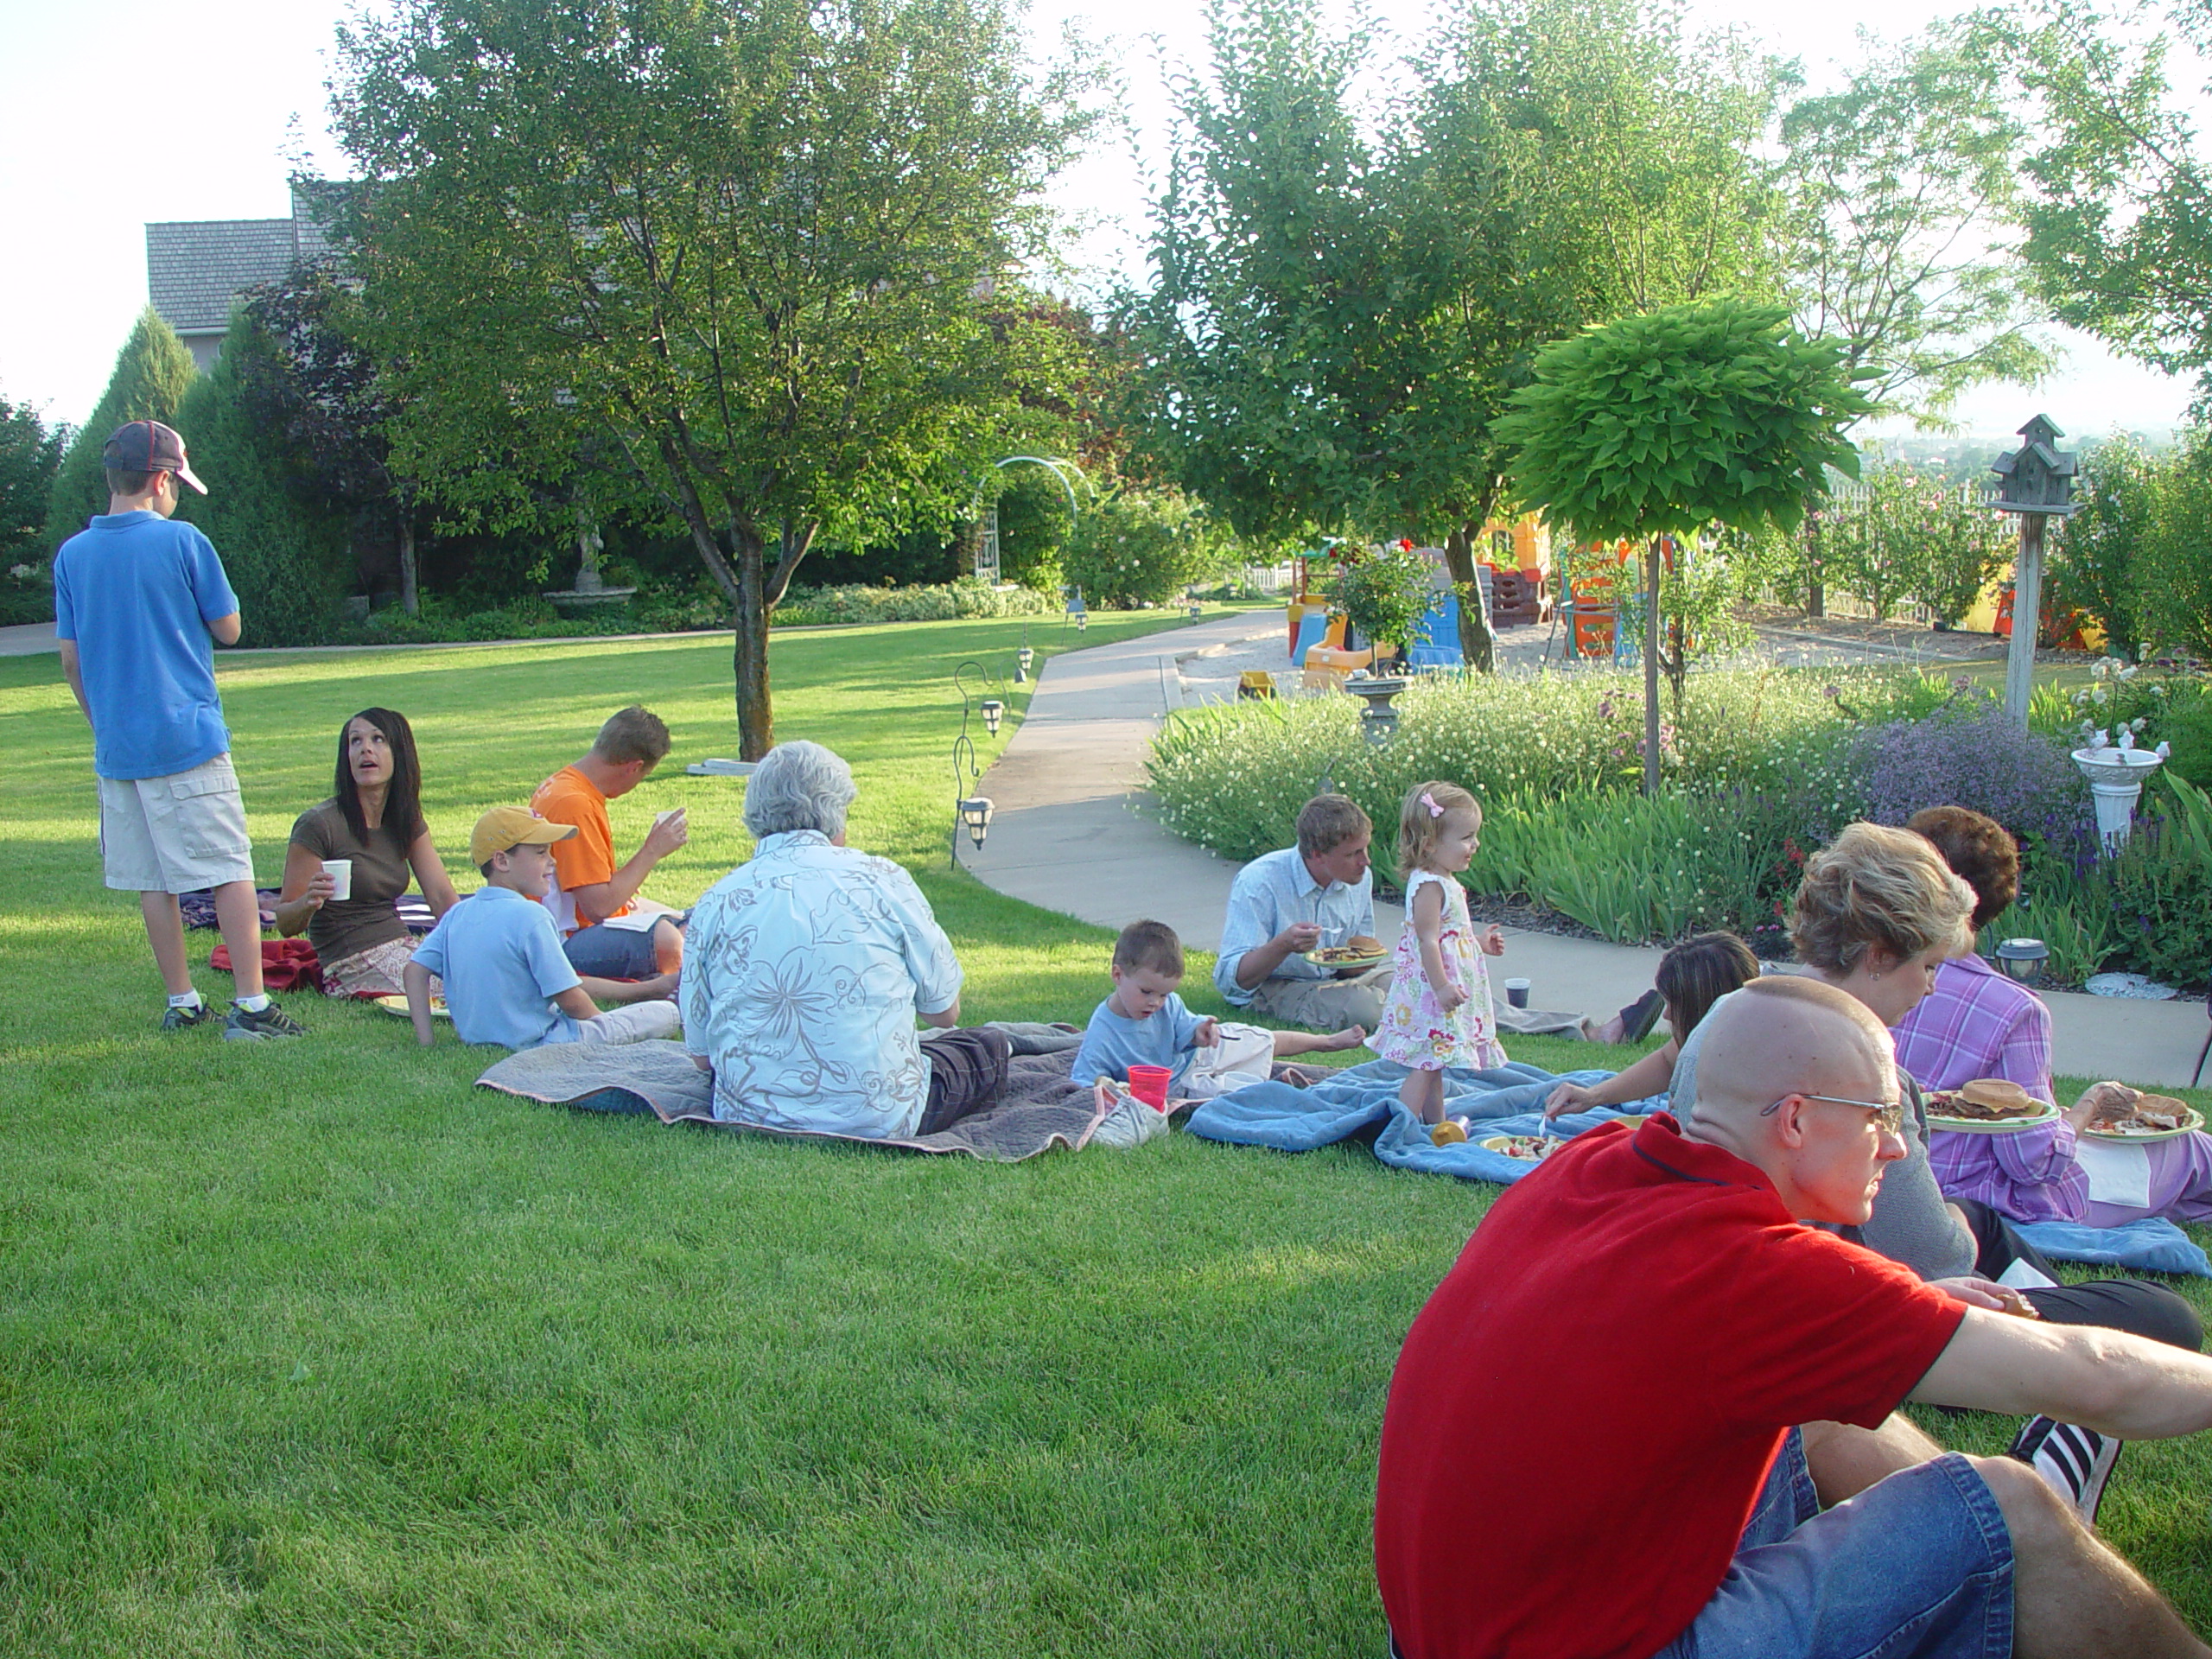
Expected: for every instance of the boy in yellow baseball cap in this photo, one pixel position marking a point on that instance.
(507, 978)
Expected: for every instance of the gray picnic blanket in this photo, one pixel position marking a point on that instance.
(1042, 1106)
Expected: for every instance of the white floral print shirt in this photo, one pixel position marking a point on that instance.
(802, 971)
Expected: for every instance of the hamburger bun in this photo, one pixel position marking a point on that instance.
(1998, 1094)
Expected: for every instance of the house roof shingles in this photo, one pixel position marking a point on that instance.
(196, 268)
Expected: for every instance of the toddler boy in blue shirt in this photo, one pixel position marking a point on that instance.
(507, 980)
(1146, 1023)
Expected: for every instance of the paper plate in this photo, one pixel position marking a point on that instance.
(398, 1005)
(2194, 1122)
(1338, 964)
(1990, 1126)
(1504, 1145)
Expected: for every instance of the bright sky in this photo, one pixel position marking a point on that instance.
(198, 120)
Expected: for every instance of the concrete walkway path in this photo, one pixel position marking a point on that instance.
(28, 640)
(1073, 833)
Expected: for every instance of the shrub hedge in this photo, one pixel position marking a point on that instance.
(1762, 767)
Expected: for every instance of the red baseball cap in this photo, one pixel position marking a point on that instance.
(149, 447)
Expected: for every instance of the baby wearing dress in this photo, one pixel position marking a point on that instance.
(1439, 1011)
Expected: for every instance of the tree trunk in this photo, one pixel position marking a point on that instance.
(1651, 666)
(411, 598)
(756, 714)
(1477, 643)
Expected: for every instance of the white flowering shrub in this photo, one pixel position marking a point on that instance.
(1761, 769)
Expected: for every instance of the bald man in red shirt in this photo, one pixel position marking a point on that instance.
(1649, 1412)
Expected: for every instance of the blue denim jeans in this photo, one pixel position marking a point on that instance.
(604, 952)
(1918, 1564)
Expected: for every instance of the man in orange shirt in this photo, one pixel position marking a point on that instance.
(591, 890)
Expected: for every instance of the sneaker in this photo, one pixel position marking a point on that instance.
(175, 1018)
(272, 1021)
(2075, 1461)
(1641, 1016)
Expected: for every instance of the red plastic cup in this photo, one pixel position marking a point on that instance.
(1149, 1084)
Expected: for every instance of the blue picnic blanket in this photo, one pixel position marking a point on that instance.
(1362, 1101)
(2153, 1242)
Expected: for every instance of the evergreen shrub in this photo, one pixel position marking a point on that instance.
(287, 565)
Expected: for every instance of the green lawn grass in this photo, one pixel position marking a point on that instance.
(310, 1349)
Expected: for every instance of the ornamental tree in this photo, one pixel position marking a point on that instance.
(731, 262)
(1658, 425)
(153, 371)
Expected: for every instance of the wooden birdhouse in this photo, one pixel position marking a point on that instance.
(2038, 478)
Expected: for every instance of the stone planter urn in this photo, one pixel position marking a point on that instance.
(1378, 721)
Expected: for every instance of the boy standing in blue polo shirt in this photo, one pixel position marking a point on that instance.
(139, 604)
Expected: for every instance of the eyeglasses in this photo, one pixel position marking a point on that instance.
(1890, 1115)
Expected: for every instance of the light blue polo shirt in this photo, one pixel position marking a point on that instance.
(1114, 1042)
(135, 592)
(502, 963)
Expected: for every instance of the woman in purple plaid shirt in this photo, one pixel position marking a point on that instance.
(1976, 1023)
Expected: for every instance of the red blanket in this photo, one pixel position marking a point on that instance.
(286, 964)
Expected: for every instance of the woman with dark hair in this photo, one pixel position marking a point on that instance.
(374, 819)
(1691, 977)
(1978, 1024)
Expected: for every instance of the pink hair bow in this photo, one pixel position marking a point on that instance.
(1429, 801)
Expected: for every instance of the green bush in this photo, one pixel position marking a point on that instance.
(2095, 556)
(1765, 767)
(2183, 720)
(2172, 574)
(1384, 592)
(1143, 547)
(153, 373)
(286, 563)
(27, 593)
(1233, 778)
(1909, 536)
(2162, 887)
(951, 601)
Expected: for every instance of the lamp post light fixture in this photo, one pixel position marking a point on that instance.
(967, 698)
(971, 811)
(2023, 959)
(994, 712)
(1023, 657)
(975, 814)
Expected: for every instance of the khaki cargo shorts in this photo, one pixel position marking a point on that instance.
(177, 834)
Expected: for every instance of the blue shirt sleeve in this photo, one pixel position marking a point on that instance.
(1182, 1022)
(1249, 923)
(930, 960)
(65, 608)
(1096, 1058)
(549, 964)
(210, 585)
(431, 952)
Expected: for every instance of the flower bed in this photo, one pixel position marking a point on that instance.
(1762, 766)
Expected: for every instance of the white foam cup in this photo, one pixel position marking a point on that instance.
(340, 870)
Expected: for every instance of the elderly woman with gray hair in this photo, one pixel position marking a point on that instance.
(805, 968)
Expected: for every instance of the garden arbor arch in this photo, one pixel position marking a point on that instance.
(987, 550)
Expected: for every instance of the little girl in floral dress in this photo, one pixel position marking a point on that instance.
(1439, 1011)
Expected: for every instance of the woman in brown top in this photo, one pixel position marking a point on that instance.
(374, 817)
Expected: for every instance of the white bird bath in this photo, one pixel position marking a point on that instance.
(2116, 775)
